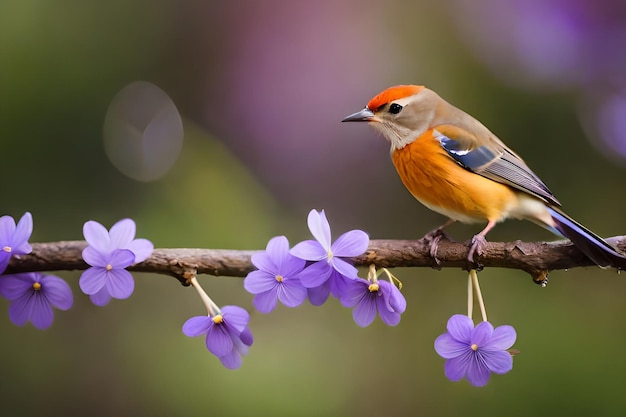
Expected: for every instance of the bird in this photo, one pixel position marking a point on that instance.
(454, 165)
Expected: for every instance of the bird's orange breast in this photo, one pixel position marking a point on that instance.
(442, 185)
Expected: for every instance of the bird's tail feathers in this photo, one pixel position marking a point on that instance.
(592, 245)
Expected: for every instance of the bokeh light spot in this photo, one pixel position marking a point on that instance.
(602, 117)
(143, 131)
(612, 124)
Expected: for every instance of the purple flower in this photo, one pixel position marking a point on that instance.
(326, 256)
(109, 253)
(276, 277)
(108, 272)
(33, 295)
(227, 334)
(121, 236)
(475, 352)
(367, 298)
(14, 239)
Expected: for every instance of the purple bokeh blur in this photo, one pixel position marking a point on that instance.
(557, 45)
(282, 86)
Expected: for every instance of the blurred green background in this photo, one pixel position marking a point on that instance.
(261, 88)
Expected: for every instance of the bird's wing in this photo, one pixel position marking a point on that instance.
(490, 158)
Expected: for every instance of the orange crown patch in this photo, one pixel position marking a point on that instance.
(393, 93)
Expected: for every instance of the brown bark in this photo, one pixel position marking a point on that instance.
(536, 258)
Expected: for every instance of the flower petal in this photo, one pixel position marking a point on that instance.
(384, 293)
(42, 315)
(236, 317)
(122, 233)
(97, 236)
(448, 347)
(14, 286)
(499, 362)
(232, 360)
(319, 227)
(291, 292)
(120, 283)
(20, 310)
(353, 291)
(218, 340)
(246, 337)
(460, 327)
(396, 299)
(92, 280)
(197, 326)
(277, 250)
(502, 338)
(7, 230)
(94, 257)
(265, 302)
(57, 291)
(352, 243)
(24, 229)
(364, 312)
(121, 258)
(242, 342)
(315, 274)
(338, 283)
(291, 266)
(318, 295)
(142, 248)
(259, 281)
(482, 334)
(101, 298)
(456, 368)
(264, 262)
(309, 250)
(344, 268)
(477, 372)
(389, 317)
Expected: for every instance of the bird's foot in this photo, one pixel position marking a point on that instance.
(433, 238)
(477, 246)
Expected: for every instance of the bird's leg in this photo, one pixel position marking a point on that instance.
(479, 241)
(434, 236)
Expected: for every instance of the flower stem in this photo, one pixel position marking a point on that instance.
(211, 307)
(479, 295)
(372, 275)
(470, 296)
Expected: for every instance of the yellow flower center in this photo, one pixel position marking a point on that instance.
(474, 347)
(279, 278)
(373, 287)
(36, 286)
(108, 267)
(7, 249)
(218, 319)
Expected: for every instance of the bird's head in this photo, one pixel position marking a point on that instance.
(401, 113)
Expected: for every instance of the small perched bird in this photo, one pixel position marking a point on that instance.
(454, 165)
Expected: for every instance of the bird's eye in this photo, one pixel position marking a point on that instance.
(395, 108)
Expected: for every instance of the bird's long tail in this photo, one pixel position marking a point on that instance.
(592, 245)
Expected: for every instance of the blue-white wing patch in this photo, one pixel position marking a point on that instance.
(497, 163)
(471, 159)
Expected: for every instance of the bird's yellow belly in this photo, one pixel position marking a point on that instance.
(442, 185)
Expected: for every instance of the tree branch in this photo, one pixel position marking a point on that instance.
(536, 258)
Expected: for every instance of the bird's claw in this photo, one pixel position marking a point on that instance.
(477, 246)
(433, 238)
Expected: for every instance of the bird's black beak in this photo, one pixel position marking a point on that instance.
(364, 115)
